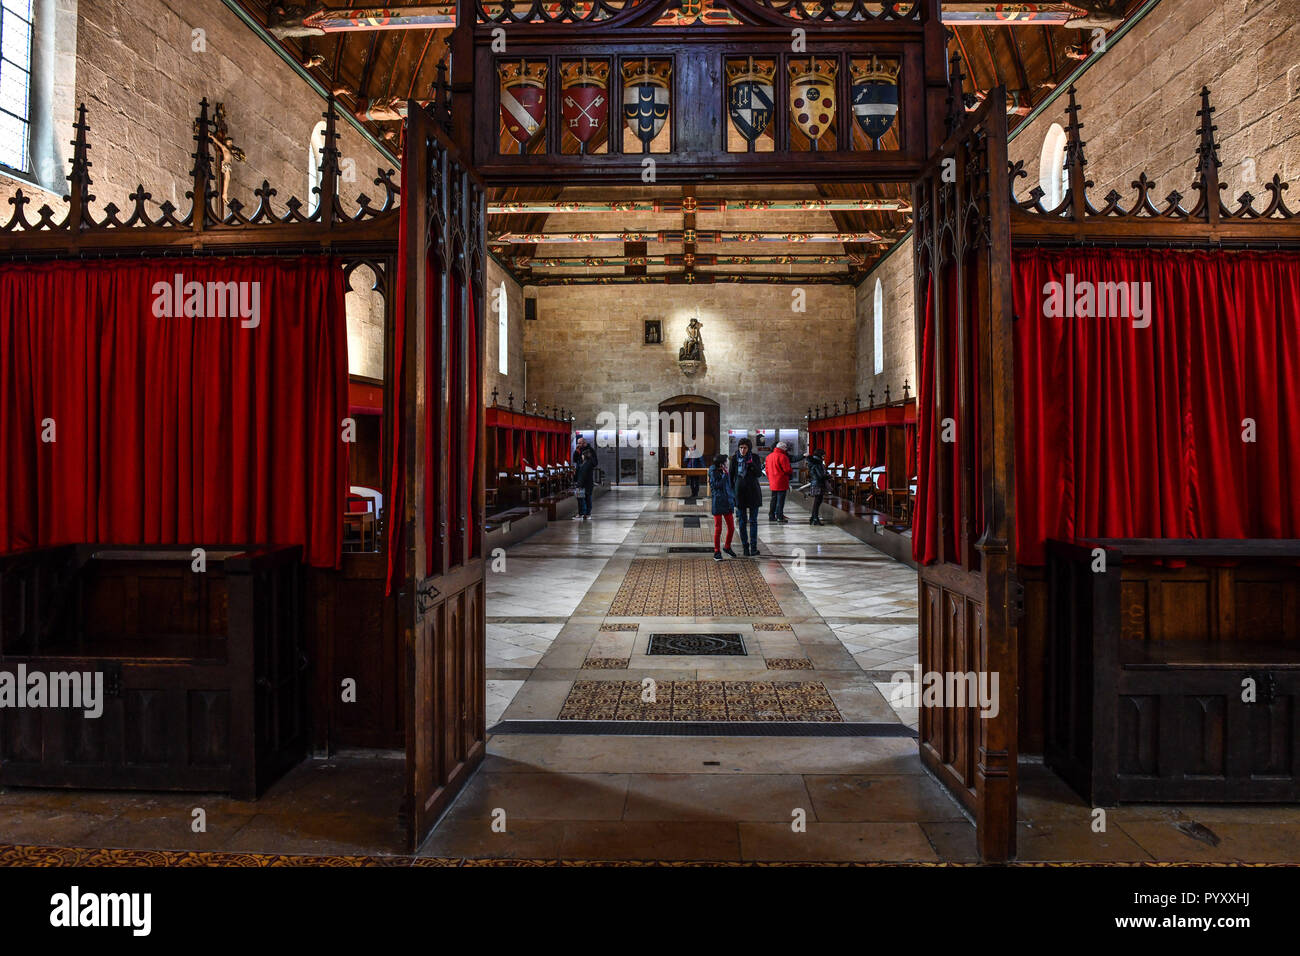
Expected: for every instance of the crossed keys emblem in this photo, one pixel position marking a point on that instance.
(586, 110)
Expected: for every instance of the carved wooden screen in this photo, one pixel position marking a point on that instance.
(750, 90)
(967, 621)
(441, 606)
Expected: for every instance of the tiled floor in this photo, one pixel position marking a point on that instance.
(847, 616)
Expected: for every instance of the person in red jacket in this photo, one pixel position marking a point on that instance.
(779, 468)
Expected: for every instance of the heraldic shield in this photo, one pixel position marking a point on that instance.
(646, 99)
(523, 100)
(584, 104)
(875, 97)
(750, 98)
(812, 98)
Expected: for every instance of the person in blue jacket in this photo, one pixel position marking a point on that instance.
(724, 503)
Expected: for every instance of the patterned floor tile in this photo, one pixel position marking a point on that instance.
(691, 700)
(669, 587)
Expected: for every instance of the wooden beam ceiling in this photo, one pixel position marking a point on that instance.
(372, 71)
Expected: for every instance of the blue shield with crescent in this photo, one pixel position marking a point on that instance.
(875, 104)
(750, 104)
(645, 107)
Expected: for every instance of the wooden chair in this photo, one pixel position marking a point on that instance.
(360, 523)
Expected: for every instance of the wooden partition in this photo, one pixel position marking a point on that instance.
(440, 603)
(1208, 220)
(966, 597)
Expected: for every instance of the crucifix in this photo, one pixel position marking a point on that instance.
(227, 153)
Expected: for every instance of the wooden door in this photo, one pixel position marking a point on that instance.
(704, 418)
(968, 593)
(441, 607)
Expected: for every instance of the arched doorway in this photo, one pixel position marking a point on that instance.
(695, 417)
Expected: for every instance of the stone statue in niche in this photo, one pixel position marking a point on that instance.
(691, 355)
(693, 349)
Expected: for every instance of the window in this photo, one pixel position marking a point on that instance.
(878, 328)
(16, 84)
(503, 331)
(1052, 177)
(314, 154)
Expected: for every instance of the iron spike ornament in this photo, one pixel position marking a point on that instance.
(523, 100)
(812, 97)
(584, 105)
(750, 99)
(875, 96)
(646, 98)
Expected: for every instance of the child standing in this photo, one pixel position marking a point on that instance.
(724, 503)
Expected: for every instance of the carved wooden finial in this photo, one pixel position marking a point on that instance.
(1075, 160)
(494, 396)
(956, 95)
(79, 195)
(330, 168)
(201, 173)
(1208, 166)
(871, 398)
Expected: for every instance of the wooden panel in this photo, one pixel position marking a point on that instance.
(185, 709)
(1168, 717)
(969, 596)
(440, 610)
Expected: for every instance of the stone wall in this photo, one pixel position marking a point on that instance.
(1139, 100)
(1139, 104)
(766, 363)
(141, 70)
(895, 276)
(513, 380)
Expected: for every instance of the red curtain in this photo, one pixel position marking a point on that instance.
(171, 428)
(472, 413)
(925, 524)
(395, 481)
(1126, 431)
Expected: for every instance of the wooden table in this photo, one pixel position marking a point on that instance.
(665, 473)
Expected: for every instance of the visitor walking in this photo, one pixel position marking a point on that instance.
(746, 469)
(724, 503)
(694, 458)
(584, 478)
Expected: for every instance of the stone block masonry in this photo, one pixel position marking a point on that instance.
(766, 362)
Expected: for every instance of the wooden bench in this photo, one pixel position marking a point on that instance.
(204, 672)
(1173, 669)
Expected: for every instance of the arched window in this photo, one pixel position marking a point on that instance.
(503, 331)
(315, 148)
(16, 28)
(1052, 177)
(878, 328)
(38, 87)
